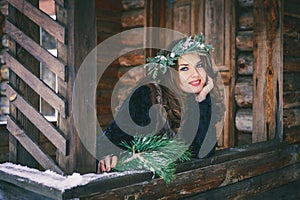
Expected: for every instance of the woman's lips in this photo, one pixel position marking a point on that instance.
(195, 83)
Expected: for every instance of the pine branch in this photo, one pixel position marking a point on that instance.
(155, 153)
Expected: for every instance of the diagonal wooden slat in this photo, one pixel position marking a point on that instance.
(36, 84)
(40, 18)
(45, 161)
(36, 50)
(37, 119)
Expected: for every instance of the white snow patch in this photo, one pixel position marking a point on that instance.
(51, 179)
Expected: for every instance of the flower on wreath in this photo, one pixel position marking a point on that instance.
(161, 62)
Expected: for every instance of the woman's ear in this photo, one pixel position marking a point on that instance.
(206, 89)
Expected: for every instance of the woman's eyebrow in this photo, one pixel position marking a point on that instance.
(184, 64)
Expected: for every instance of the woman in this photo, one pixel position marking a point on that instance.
(181, 78)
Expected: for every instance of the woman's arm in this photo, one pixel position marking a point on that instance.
(139, 105)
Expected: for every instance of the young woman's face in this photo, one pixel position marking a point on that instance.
(192, 75)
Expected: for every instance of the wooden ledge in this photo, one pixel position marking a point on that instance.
(235, 166)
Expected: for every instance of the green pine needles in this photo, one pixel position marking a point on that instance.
(155, 153)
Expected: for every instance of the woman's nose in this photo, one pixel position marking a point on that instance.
(194, 72)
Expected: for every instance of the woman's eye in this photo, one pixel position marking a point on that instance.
(184, 68)
(199, 65)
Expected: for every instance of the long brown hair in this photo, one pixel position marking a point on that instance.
(173, 99)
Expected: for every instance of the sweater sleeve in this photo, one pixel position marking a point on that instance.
(204, 122)
(139, 105)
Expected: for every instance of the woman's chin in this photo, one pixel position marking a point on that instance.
(193, 90)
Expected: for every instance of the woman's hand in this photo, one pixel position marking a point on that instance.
(107, 163)
(208, 87)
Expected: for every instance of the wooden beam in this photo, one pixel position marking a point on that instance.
(38, 120)
(231, 168)
(36, 84)
(79, 45)
(36, 50)
(40, 18)
(45, 161)
(267, 73)
(257, 187)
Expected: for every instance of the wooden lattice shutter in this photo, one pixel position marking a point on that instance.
(25, 122)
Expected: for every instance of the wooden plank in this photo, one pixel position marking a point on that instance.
(40, 18)
(36, 84)
(45, 161)
(230, 56)
(255, 187)
(202, 178)
(267, 74)
(79, 45)
(32, 189)
(215, 29)
(10, 191)
(38, 120)
(36, 50)
(227, 169)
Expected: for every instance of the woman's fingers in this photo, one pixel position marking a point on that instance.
(101, 166)
(114, 161)
(106, 164)
(209, 86)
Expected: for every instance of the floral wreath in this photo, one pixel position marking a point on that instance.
(161, 62)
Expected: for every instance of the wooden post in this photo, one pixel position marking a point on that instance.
(268, 64)
(80, 19)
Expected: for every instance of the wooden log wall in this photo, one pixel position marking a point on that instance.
(112, 18)
(245, 60)
(291, 71)
(108, 16)
(244, 64)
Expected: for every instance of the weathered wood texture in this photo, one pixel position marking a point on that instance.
(235, 166)
(4, 149)
(291, 57)
(37, 85)
(245, 63)
(38, 120)
(36, 50)
(46, 141)
(43, 159)
(17, 153)
(216, 19)
(243, 87)
(267, 73)
(279, 184)
(81, 39)
(242, 172)
(109, 22)
(244, 119)
(40, 18)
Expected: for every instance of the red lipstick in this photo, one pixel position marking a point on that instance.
(195, 83)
